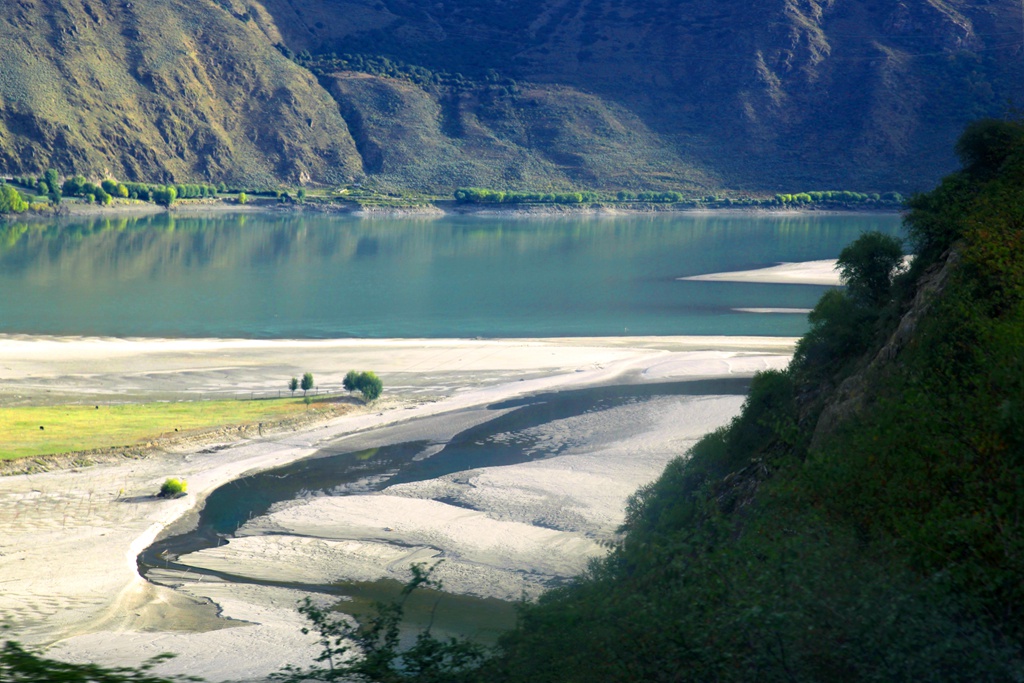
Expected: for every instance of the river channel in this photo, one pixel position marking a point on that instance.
(268, 276)
(376, 463)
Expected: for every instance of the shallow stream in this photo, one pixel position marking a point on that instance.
(509, 437)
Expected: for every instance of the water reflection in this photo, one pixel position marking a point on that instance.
(314, 275)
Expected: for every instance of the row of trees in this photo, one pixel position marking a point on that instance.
(366, 383)
(843, 196)
(164, 195)
(105, 192)
(477, 195)
(108, 190)
(306, 384)
(47, 184)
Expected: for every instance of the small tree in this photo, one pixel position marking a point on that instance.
(51, 178)
(370, 386)
(367, 383)
(242, 199)
(11, 200)
(293, 384)
(868, 265)
(73, 186)
(351, 381)
(307, 382)
(53, 182)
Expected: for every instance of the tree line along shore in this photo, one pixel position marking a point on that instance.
(53, 193)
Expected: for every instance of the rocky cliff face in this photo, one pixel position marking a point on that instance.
(691, 94)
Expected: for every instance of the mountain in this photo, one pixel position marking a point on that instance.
(692, 95)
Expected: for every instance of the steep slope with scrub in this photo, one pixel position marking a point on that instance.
(861, 520)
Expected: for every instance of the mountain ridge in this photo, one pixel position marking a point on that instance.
(515, 94)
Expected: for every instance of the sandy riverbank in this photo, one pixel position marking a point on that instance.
(67, 557)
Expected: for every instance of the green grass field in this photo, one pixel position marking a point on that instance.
(77, 428)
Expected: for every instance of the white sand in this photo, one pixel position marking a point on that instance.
(67, 557)
(801, 273)
(804, 273)
(784, 311)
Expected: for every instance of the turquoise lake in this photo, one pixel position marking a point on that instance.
(318, 276)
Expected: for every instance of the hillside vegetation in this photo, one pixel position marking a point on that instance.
(863, 518)
(527, 95)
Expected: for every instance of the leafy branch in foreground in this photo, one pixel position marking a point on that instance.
(371, 651)
(18, 664)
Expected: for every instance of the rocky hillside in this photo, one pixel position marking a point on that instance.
(692, 95)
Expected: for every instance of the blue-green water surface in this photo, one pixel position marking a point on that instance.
(320, 276)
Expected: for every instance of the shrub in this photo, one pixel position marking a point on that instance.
(11, 201)
(173, 488)
(368, 383)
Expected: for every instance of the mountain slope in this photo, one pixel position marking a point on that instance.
(158, 91)
(694, 95)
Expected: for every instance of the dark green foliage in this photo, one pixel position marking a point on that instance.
(868, 265)
(351, 380)
(841, 329)
(18, 665)
(367, 383)
(73, 187)
(307, 382)
(370, 386)
(985, 146)
(293, 384)
(989, 149)
(371, 651)
(53, 183)
(888, 548)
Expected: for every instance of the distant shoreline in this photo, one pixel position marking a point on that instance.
(131, 208)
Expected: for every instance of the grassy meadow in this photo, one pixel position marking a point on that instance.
(27, 431)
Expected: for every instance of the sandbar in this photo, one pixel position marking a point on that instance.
(67, 557)
(803, 273)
